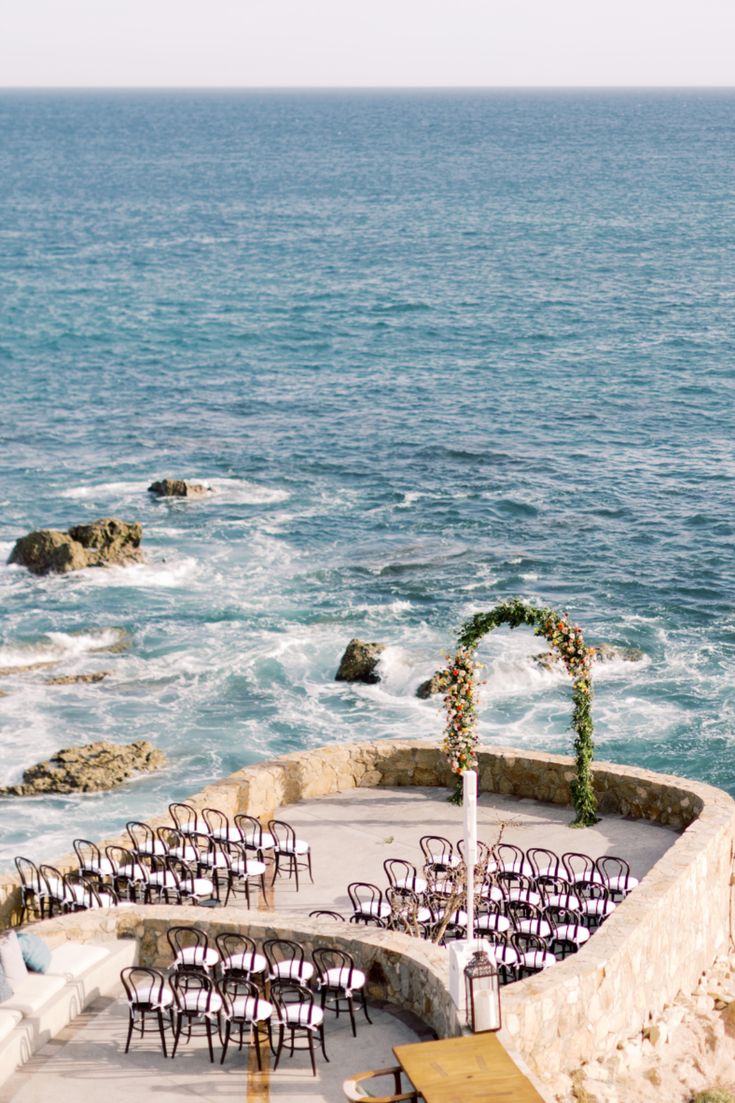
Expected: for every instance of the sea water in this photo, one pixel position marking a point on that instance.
(430, 351)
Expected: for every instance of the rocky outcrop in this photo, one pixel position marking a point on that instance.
(102, 543)
(88, 769)
(433, 685)
(359, 662)
(178, 488)
(603, 653)
(10, 671)
(75, 679)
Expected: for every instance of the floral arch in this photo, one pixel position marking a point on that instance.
(460, 692)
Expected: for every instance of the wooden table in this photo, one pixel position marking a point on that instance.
(471, 1069)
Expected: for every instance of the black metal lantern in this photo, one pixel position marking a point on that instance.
(482, 993)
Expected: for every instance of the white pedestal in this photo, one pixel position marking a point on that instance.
(460, 955)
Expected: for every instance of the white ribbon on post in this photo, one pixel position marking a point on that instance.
(469, 797)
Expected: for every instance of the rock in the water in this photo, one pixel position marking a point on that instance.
(73, 679)
(88, 769)
(178, 488)
(602, 653)
(359, 662)
(433, 685)
(10, 671)
(608, 653)
(99, 544)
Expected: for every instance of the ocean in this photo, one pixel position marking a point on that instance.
(431, 351)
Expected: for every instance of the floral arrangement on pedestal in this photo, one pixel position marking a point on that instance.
(460, 693)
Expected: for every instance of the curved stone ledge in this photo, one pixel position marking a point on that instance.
(656, 944)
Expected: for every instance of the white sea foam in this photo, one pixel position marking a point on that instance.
(152, 575)
(56, 646)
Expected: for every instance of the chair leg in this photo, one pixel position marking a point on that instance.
(365, 1006)
(161, 1032)
(280, 1045)
(256, 1039)
(310, 1036)
(225, 1041)
(209, 1040)
(321, 1039)
(351, 1010)
(295, 861)
(130, 1033)
(177, 1034)
(275, 866)
(262, 888)
(308, 858)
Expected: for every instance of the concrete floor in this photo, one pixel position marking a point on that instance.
(87, 1064)
(352, 833)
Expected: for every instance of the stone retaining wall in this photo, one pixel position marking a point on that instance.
(656, 944)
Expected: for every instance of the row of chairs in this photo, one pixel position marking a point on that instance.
(171, 864)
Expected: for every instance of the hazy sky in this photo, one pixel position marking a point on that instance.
(366, 42)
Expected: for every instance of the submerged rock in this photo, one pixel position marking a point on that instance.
(74, 679)
(10, 671)
(88, 769)
(178, 488)
(359, 662)
(603, 653)
(101, 543)
(433, 685)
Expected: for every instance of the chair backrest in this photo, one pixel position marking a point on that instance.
(142, 837)
(522, 909)
(231, 943)
(251, 830)
(321, 913)
(560, 916)
(609, 866)
(549, 885)
(124, 862)
(580, 868)
(30, 877)
(53, 881)
(525, 942)
(196, 985)
(88, 854)
(398, 869)
(183, 938)
(329, 957)
(287, 995)
(509, 879)
(233, 988)
(277, 950)
(185, 817)
(143, 986)
(510, 857)
(365, 898)
(543, 862)
(485, 855)
(283, 833)
(437, 851)
(216, 822)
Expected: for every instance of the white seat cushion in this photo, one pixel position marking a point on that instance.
(162, 878)
(251, 1009)
(266, 841)
(31, 994)
(197, 955)
(491, 893)
(71, 960)
(514, 865)
(246, 963)
(200, 886)
(185, 853)
(505, 955)
(601, 908)
(154, 846)
(303, 1014)
(103, 867)
(564, 900)
(622, 883)
(572, 932)
(528, 896)
(412, 884)
(294, 970)
(499, 923)
(298, 846)
(231, 834)
(214, 861)
(350, 980)
(538, 959)
(250, 868)
(375, 910)
(203, 1003)
(162, 997)
(535, 926)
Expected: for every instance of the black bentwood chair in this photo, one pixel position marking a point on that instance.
(337, 980)
(244, 1009)
(291, 854)
(298, 1016)
(148, 993)
(33, 895)
(196, 1003)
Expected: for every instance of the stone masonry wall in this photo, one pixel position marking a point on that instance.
(656, 944)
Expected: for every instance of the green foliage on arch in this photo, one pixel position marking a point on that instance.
(460, 693)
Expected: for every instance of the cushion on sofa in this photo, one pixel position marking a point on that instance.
(36, 954)
(71, 960)
(11, 958)
(31, 994)
(6, 988)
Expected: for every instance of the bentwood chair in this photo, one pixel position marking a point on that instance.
(438, 853)
(402, 875)
(33, 896)
(218, 826)
(191, 950)
(354, 1093)
(569, 932)
(143, 840)
(337, 980)
(543, 862)
(254, 836)
(297, 1016)
(368, 905)
(615, 873)
(130, 875)
(287, 962)
(196, 1003)
(148, 993)
(185, 817)
(239, 957)
(241, 869)
(244, 1009)
(324, 913)
(91, 861)
(290, 851)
